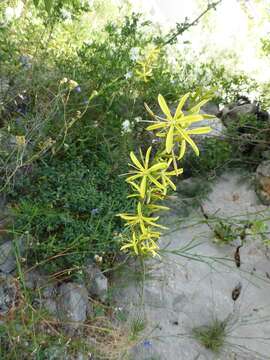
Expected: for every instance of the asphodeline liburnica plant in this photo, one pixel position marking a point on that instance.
(145, 65)
(151, 175)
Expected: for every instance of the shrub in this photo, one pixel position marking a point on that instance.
(69, 208)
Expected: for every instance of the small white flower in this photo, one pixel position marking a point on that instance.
(98, 258)
(138, 119)
(9, 13)
(126, 126)
(134, 53)
(14, 13)
(66, 14)
(128, 75)
(63, 81)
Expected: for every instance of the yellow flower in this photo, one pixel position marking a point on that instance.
(144, 172)
(20, 140)
(165, 177)
(140, 219)
(175, 128)
(144, 243)
(145, 67)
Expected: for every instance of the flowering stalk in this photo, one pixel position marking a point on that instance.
(150, 177)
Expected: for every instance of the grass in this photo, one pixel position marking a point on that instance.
(211, 336)
(136, 327)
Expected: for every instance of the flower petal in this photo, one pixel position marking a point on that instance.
(182, 101)
(156, 126)
(200, 130)
(164, 107)
(135, 161)
(169, 140)
(182, 149)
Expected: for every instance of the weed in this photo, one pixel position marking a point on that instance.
(137, 325)
(211, 336)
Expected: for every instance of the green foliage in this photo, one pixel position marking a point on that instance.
(69, 208)
(137, 325)
(211, 336)
(225, 232)
(216, 155)
(28, 334)
(249, 138)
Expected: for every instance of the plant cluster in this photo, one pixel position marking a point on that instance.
(150, 178)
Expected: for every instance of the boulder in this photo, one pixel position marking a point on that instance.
(7, 254)
(96, 282)
(215, 123)
(72, 304)
(8, 293)
(7, 258)
(231, 114)
(211, 108)
(56, 352)
(263, 182)
(34, 280)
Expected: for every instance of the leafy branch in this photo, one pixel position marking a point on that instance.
(184, 26)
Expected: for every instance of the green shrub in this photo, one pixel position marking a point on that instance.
(68, 207)
(215, 156)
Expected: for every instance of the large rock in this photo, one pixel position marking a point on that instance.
(193, 282)
(8, 293)
(7, 253)
(56, 352)
(215, 123)
(96, 282)
(34, 280)
(211, 108)
(7, 258)
(231, 114)
(72, 304)
(263, 182)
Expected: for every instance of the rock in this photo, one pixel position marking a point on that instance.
(72, 304)
(96, 282)
(7, 254)
(144, 351)
(56, 352)
(34, 280)
(8, 293)
(50, 305)
(215, 123)
(228, 114)
(7, 258)
(211, 108)
(266, 154)
(263, 182)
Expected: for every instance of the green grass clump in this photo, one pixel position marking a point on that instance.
(211, 336)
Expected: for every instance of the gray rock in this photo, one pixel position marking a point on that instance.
(56, 352)
(263, 182)
(8, 293)
(238, 111)
(96, 282)
(50, 305)
(144, 351)
(7, 258)
(211, 108)
(215, 123)
(72, 304)
(194, 293)
(34, 280)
